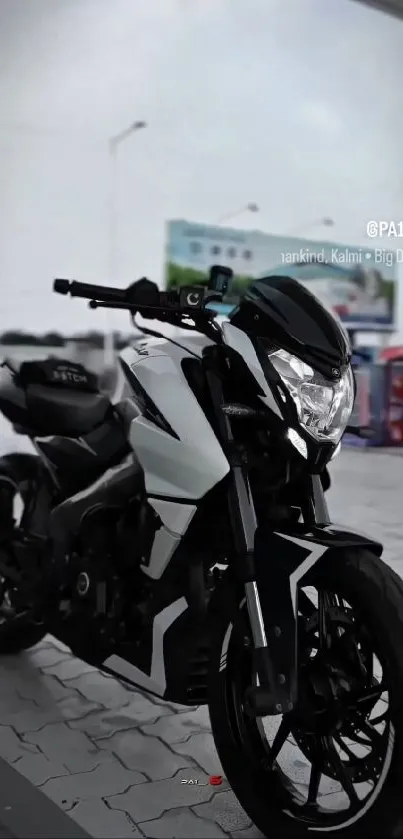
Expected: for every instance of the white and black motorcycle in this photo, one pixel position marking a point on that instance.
(179, 539)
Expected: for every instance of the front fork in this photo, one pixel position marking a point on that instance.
(270, 565)
(272, 612)
(267, 593)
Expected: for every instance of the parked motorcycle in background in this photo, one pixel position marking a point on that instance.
(180, 540)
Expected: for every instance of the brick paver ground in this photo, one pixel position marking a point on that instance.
(114, 758)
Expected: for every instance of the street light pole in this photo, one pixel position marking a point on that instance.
(247, 208)
(113, 146)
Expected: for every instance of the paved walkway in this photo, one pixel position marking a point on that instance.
(113, 758)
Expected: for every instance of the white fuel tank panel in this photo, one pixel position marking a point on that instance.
(193, 462)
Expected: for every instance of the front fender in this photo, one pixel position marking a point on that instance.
(282, 560)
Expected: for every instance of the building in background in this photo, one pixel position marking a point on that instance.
(358, 284)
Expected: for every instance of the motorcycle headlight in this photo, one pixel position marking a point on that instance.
(324, 407)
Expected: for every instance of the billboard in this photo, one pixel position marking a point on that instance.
(356, 283)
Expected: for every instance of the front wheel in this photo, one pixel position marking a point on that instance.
(335, 764)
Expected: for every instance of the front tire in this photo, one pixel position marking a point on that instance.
(369, 595)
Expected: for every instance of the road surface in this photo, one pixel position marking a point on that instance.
(112, 758)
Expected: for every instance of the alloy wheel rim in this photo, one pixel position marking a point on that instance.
(339, 768)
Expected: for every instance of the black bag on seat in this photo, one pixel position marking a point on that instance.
(58, 372)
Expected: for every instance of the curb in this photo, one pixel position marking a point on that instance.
(27, 813)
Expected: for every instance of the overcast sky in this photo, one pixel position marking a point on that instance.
(294, 104)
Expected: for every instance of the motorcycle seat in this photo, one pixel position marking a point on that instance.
(56, 410)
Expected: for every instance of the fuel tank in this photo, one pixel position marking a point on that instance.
(177, 448)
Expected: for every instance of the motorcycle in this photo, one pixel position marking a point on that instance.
(177, 537)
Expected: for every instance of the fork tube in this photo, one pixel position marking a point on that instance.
(321, 511)
(244, 526)
(242, 515)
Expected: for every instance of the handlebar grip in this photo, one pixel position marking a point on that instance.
(89, 291)
(95, 292)
(61, 286)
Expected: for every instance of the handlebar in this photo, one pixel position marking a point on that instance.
(184, 307)
(143, 297)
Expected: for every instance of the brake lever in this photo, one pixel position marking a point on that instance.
(150, 312)
(99, 304)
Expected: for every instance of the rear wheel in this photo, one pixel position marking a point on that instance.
(19, 474)
(17, 635)
(335, 764)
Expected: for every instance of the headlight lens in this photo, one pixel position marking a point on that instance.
(323, 407)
